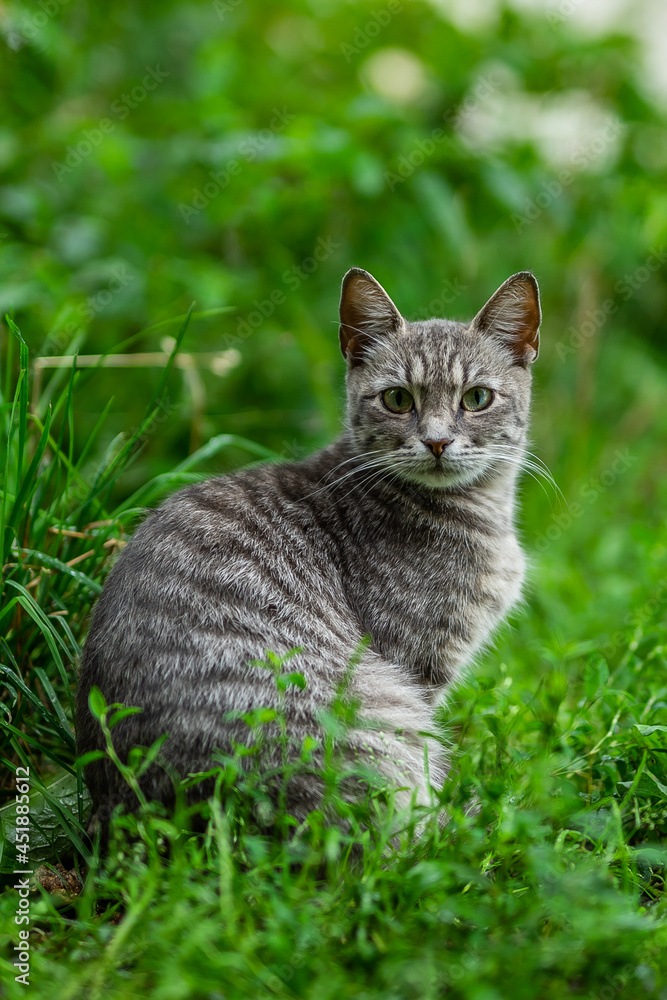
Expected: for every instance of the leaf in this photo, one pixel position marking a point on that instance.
(291, 680)
(51, 832)
(151, 754)
(88, 758)
(645, 786)
(596, 676)
(493, 724)
(661, 788)
(259, 716)
(97, 702)
(122, 713)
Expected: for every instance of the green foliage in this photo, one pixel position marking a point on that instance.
(442, 152)
(96, 239)
(560, 744)
(54, 523)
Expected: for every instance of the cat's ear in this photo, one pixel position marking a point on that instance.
(366, 314)
(513, 316)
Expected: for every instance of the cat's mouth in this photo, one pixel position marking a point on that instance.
(433, 471)
(438, 474)
(438, 469)
(443, 464)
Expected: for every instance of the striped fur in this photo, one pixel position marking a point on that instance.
(373, 536)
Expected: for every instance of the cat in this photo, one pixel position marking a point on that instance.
(401, 531)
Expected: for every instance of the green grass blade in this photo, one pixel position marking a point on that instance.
(7, 487)
(29, 483)
(48, 754)
(53, 563)
(180, 474)
(63, 624)
(123, 455)
(51, 637)
(66, 728)
(23, 389)
(12, 677)
(55, 465)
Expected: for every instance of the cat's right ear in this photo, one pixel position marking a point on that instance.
(513, 315)
(366, 314)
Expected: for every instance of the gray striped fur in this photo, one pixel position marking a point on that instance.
(372, 536)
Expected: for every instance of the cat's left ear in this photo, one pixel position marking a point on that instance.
(366, 314)
(513, 315)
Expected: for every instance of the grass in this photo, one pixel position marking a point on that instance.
(553, 887)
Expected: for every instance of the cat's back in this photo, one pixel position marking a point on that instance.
(220, 524)
(243, 555)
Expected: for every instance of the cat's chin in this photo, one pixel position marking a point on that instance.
(440, 478)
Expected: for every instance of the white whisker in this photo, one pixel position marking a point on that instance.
(373, 463)
(529, 461)
(535, 472)
(363, 454)
(373, 480)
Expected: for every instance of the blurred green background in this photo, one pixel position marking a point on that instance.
(244, 156)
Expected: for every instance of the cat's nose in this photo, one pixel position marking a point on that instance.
(437, 447)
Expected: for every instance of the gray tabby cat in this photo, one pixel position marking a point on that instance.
(402, 530)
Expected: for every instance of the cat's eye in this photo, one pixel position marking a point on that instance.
(477, 398)
(398, 400)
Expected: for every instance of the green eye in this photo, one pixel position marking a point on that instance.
(477, 398)
(398, 400)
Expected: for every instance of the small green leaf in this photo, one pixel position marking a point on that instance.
(596, 676)
(292, 680)
(122, 713)
(150, 755)
(97, 703)
(661, 788)
(88, 758)
(260, 716)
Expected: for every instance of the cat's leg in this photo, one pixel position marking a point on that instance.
(396, 720)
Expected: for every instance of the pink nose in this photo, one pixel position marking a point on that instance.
(437, 447)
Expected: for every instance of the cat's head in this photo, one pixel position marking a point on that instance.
(438, 402)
